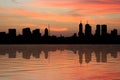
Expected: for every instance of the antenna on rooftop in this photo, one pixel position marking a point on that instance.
(49, 28)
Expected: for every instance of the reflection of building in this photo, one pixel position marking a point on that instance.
(84, 52)
(26, 55)
(104, 57)
(80, 57)
(88, 57)
(98, 56)
(46, 54)
(12, 55)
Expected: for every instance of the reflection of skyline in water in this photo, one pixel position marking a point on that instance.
(101, 52)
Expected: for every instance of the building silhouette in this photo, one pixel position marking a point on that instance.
(36, 33)
(97, 32)
(2, 37)
(26, 32)
(114, 33)
(104, 30)
(88, 30)
(12, 32)
(46, 32)
(35, 37)
(80, 33)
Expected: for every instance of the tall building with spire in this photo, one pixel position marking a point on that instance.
(88, 30)
(46, 33)
(80, 33)
(49, 29)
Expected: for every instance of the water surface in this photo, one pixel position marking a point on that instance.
(60, 62)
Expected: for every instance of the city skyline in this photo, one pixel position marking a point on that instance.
(35, 36)
(83, 30)
(63, 16)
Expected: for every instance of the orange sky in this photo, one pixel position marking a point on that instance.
(63, 16)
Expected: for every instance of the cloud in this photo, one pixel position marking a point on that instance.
(82, 7)
(16, 2)
(98, 12)
(64, 10)
(58, 29)
(101, 1)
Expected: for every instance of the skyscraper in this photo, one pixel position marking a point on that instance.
(80, 33)
(104, 30)
(26, 32)
(46, 33)
(12, 32)
(88, 30)
(114, 32)
(97, 32)
(36, 33)
(2, 35)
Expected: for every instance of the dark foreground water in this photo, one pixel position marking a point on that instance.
(60, 62)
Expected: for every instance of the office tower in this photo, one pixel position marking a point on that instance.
(26, 32)
(2, 35)
(97, 32)
(80, 33)
(36, 33)
(88, 30)
(12, 32)
(46, 34)
(104, 30)
(114, 32)
(74, 35)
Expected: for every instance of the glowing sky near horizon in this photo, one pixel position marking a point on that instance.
(63, 15)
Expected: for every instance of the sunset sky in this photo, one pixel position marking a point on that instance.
(62, 15)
